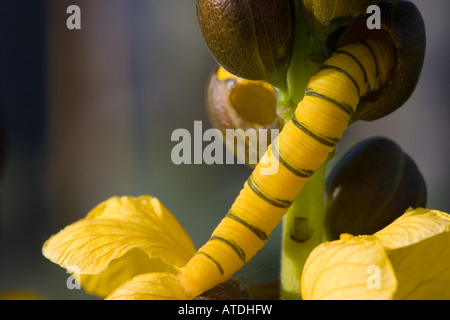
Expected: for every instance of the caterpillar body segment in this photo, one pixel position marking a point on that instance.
(319, 121)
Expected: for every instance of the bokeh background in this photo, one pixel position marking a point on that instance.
(89, 114)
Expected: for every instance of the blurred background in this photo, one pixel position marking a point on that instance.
(88, 114)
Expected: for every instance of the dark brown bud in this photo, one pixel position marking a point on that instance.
(251, 39)
(232, 289)
(402, 26)
(236, 103)
(372, 185)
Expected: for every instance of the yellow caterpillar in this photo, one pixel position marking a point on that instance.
(320, 119)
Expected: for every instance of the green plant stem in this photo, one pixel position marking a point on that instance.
(303, 229)
(305, 63)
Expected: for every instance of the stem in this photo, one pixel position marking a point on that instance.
(303, 224)
(304, 64)
(303, 230)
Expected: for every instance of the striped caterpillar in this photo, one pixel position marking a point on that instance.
(319, 121)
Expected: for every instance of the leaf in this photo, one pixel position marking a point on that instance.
(349, 268)
(418, 246)
(151, 286)
(113, 228)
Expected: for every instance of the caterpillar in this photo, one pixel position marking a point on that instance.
(317, 126)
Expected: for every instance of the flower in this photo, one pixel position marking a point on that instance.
(134, 248)
(408, 259)
(126, 238)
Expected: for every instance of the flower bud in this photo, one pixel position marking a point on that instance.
(372, 185)
(251, 39)
(236, 103)
(402, 26)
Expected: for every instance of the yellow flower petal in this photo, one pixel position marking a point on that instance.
(113, 228)
(349, 268)
(413, 226)
(151, 286)
(133, 263)
(418, 246)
